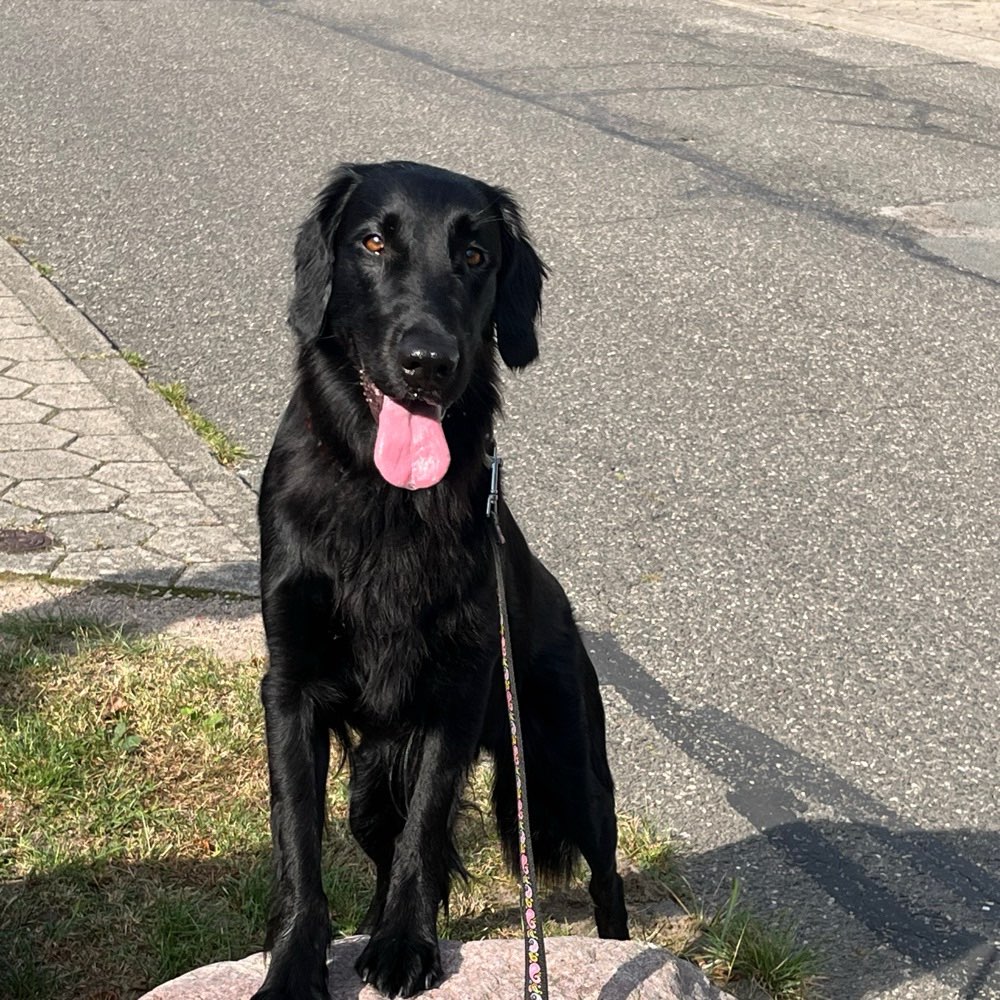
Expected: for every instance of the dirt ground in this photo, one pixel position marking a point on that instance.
(229, 627)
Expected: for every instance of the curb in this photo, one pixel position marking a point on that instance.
(230, 502)
(959, 45)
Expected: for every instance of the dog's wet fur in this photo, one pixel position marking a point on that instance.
(380, 603)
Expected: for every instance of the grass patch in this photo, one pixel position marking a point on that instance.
(133, 827)
(226, 451)
(736, 947)
(134, 840)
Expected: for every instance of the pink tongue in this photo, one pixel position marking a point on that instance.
(410, 449)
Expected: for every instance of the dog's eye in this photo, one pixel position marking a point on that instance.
(373, 243)
(475, 257)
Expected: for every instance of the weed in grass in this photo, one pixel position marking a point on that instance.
(136, 361)
(18, 242)
(226, 451)
(41, 630)
(653, 860)
(736, 946)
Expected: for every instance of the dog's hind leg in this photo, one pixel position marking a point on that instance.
(572, 812)
(594, 813)
(598, 839)
(571, 800)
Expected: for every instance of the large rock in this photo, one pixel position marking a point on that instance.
(579, 969)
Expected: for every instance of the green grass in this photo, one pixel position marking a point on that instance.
(136, 361)
(134, 839)
(735, 946)
(133, 830)
(222, 447)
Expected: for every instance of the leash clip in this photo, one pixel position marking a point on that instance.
(493, 500)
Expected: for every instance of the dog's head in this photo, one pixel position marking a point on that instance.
(413, 273)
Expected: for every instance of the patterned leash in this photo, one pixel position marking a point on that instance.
(536, 979)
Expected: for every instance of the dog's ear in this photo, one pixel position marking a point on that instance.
(519, 288)
(314, 254)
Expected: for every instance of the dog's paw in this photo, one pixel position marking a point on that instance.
(290, 993)
(285, 984)
(400, 965)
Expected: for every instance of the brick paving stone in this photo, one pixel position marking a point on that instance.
(48, 372)
(70, 396)
(12, 310)
(232, 577)
(12, 516)
(81, 458)
(18, 411)
(168, 509)
(11, 388)
(83, 532)
(142, 477)
(18, 437)
(29, 562)
(13, 329)
(99, 421)
(194, 544)
(124, 565)
(115, 448)
(45, 463)
(31, 349)
(65, 496)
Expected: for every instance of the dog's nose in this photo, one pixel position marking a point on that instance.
(427, 367)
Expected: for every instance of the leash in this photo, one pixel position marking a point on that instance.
(536, 985)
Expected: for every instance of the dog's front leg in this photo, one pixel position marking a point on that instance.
(298, 745)
(402, 957)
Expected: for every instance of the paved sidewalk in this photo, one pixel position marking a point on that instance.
(94, 464)
(964, 30)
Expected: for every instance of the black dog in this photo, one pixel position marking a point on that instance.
(378, 580)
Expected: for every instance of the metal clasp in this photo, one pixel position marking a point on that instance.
(493, 500)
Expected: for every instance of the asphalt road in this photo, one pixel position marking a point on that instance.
(760, 449)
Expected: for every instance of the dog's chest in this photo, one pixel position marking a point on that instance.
(395, 573)
(413, 609)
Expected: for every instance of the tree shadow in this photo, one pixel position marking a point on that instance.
(138, 610)
(884, 900)
(111, 930)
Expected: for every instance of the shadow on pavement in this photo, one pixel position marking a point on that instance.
(931, 897)
(227, 624)
(882, 899)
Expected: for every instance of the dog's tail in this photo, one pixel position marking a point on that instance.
(556, 855)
